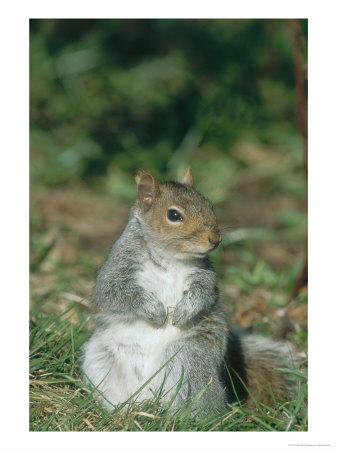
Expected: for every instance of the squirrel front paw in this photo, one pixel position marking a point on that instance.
(185, 310)
(153, 310)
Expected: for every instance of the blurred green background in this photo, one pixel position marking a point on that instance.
(108, 97)
(124, 94)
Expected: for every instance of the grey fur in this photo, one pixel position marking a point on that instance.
(201, 353)
(200, 349)
(116, 290)
(200, 297)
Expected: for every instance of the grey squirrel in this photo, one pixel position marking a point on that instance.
(160, 308)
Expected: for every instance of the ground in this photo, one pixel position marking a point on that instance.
(261, 209)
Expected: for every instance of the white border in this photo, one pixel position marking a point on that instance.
(322, 221)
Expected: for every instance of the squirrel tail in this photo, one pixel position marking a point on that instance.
(262, 358)
(253, 362)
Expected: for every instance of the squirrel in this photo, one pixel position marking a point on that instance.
(160, 313)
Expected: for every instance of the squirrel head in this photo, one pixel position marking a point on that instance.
(180, 219)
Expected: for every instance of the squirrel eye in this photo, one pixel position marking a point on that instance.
(174, 216)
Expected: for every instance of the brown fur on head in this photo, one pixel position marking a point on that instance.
(181, 219)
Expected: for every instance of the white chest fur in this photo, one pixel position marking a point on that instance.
(166, 283)
(126, 354)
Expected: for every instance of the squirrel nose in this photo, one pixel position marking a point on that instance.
(214, 239)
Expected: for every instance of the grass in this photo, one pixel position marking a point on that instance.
(264, 229)
(59, 399)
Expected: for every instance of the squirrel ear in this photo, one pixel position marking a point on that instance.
(148, 189)
(188, 177)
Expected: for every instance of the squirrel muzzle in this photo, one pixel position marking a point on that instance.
(214, 239)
